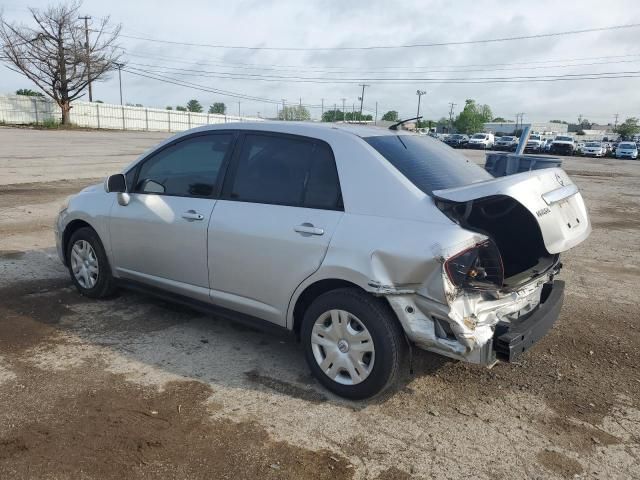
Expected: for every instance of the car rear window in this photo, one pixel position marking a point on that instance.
(428, 163)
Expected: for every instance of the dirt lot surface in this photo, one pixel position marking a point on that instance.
(135, 387)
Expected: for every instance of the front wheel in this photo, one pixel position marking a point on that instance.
(88, 264)
(353, 343)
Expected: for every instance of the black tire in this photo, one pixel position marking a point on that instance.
(105, 284)
(383, 326)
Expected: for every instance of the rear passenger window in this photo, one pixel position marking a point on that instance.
(286, 171)
(323, 187)
(188, 168)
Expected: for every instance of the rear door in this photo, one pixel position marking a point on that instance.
(549, 194)
(280, 206)
(160, 236)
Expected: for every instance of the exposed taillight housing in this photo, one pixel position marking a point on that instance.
(479, 267)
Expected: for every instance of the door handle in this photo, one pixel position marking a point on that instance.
(192, 215)
(308, 229)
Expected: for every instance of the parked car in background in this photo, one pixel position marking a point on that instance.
(594, 149)
(484, 141)
(535, 144)
(508, 143)
(547, 145)
(627, 150)
(563, 145)
(457, 140)
(377, 238)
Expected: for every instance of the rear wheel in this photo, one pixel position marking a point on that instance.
(88, 264)
(353, 343)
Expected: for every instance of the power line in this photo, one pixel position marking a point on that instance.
(271, 66)
(182, 83)
(348, 80)
(386, 47)
(400, 70)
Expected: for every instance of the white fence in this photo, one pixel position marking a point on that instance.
(23, 110)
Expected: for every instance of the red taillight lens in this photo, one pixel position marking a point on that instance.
(478, 267)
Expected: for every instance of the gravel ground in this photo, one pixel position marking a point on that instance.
(136, 387)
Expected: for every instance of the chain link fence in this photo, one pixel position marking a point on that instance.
(24, 110)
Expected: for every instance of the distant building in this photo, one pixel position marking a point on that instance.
(509, 128)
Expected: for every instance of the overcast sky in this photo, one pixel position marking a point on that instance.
(333, 23)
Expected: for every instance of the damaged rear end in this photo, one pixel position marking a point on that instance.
(501, 295)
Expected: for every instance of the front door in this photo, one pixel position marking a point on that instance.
(271, 229)
(160, 237)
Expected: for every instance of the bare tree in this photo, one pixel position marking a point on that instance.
(53, 53)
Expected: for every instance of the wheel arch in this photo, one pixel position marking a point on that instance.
(72, 227)
(327, 278)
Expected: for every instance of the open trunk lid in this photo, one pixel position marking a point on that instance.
(549, 194)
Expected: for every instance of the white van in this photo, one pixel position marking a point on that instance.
(481, 140)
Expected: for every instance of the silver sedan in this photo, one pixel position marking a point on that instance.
(359, 240)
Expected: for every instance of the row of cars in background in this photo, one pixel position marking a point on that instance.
(558, 145)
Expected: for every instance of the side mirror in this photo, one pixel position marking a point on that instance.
(117, 183)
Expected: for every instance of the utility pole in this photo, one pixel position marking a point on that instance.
(121, 105)
(375, 122)
(344, 110)
(284, 112)
(335, 111)
(86, 19)
(615, 125)
(451, 105)
(419, 93)
(363, 85)
(120, 81)
(519, 116)
(321, 108)
(239, 111)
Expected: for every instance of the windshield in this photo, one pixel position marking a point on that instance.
(593, 144)
(479, 135)
(534, 137)
(507, 139)
(457, 136)
(564, 139)
(429, 164)
(632, 146)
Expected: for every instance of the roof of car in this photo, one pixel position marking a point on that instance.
(309, 128)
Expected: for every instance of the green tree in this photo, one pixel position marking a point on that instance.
(472, 118)
(29, 93)
(628, 128)
(294, 112)
(390, 116)
(180, 108)
(194, 106)
(218, 107)
(333, 116)
(559, 121)
(355, 117)
(499, 120)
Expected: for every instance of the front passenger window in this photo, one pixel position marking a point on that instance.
(189, 168)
